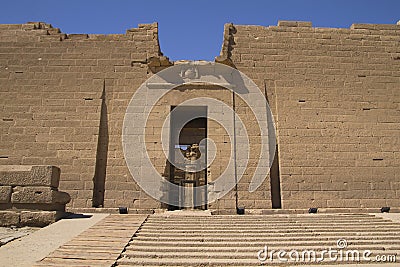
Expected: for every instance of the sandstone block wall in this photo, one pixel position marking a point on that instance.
(335, 98)
(333, 93)
(63, 98)
(29, 195)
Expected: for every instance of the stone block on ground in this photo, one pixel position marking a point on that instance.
(38, 195)
(9, 218)
(15, 175)
(39, 218)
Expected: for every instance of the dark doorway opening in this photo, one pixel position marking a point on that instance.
(187, 142)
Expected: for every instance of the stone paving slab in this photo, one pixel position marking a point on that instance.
(99, 245)
(8, 234)
(25, 251)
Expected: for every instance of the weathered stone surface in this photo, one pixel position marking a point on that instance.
(113, 233)
(30, 175)
(9, 218)
(5, 194)
(284, 23)
(38, 195)
(29, 218)
(38, 219)
(336, 91)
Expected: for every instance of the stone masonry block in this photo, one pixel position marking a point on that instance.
(5, 194)
(39, 218)
(22, 175)
(9, 218)
(284, 23)
(38, 195)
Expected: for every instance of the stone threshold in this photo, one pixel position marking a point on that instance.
(233, 211)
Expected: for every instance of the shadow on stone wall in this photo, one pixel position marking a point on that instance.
(99, 178)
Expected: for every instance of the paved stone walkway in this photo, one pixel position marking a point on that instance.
(100, 245)
(142, 240)
(8, 234)
(27, 250)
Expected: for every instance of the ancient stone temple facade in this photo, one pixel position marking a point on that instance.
(333, 93)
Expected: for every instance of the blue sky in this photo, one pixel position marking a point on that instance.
(194, 29)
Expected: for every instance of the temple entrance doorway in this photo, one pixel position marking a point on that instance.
(186, 142)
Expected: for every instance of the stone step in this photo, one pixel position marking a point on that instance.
(235, 240)
(234, 221)
(150, 222)
(271, 219)
(292, 215)
(245, 248)
(335, 232)
(273, 227)
(265, 218)
(279, 224)
(268, 217)
(216, 238)
(266, 228)
(288, 234)
(229, 255)
(311, 220)
(223, 262)
(257, 243)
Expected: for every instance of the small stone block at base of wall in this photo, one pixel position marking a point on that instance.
(29, 195)
(9, 218)
(38, 194)
(29, 218)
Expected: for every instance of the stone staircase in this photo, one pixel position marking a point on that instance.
(221, 240)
